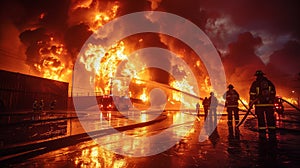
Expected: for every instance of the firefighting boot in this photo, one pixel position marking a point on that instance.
(272, 135)
(262, 135)
(237, 133)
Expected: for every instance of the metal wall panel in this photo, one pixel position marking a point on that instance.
(18, 91)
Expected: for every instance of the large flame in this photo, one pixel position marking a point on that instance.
(54, 59)
(113, 70)
(104, 62)
(53, 63)
(182, 85)
(100, 18)
(293, 101)
(144, 96)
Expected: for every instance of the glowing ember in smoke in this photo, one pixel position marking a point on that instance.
(42, 15)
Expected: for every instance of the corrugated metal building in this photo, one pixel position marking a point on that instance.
(18, 92)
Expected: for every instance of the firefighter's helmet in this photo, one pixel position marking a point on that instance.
(212, 93)
(259, 73)
(230, 86)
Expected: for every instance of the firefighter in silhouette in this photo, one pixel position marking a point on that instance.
(35, 106)
(213, 104)
(262, 95)
(232, 96)
(205, 104)
(42, 104)
(52, 105)
(198, 109)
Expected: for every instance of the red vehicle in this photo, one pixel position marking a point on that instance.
(278, 105)
(114, 103)
(107, 103)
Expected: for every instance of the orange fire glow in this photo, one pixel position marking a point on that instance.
(54, 61)
(52, 64)
(103, 62)
(144, 96)
(42, 15)
(96, 16)
(103, 17)
(182, 85)
(291, 100)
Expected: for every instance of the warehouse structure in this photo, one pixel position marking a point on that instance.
(19, 91)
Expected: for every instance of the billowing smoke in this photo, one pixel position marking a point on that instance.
(241, 61)
(284, 68)
(75, 37)
(51, 33)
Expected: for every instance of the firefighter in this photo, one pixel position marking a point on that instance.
(41, 108)
(198, 109)
(213, 104)
(52, 104)
(262, 95)
(205, 104)
(231, 102)
(35, 106)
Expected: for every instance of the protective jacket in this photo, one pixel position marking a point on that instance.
(264, 91)
(231, 97)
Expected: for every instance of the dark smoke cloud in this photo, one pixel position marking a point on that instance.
(37, 22)
(276, 16)
(26, 13)
(241, 61)
(131, 6)
(31, 39)
(75, 37)
(242, 51)
(284, 66)
(287, 59)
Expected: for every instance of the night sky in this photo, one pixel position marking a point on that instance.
(249, 34)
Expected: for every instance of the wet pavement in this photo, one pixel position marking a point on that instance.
(58, 140)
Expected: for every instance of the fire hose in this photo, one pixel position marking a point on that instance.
(249, 111)
(246, 108)
(251, 105)
(290, 104)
